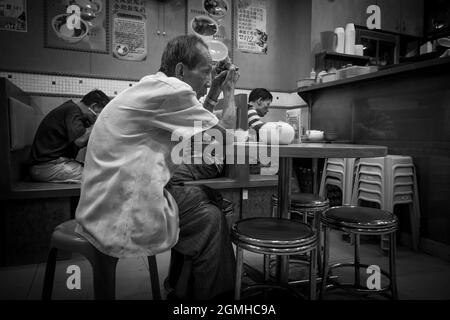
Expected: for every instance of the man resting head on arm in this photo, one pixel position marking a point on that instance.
(61, 134)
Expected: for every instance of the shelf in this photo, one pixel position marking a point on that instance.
(326, 60)
(342, 56)
(438, 65)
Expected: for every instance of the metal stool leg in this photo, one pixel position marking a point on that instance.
(266, 267)
(318, 228)
(312, 275)
(104, 269)
(325, 268)
(414, 226)
(357, 261)
(239, 264)
(154, 277)
(273, 212)
(392, 266)
(49, 274)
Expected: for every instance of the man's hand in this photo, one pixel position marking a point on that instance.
(220, 74)
(216, 85)
(231, 78)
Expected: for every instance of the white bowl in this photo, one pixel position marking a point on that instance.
(276, 133)
(217, 49)
(314, 135)
(216, 8)
(59, 26)
(204, 26)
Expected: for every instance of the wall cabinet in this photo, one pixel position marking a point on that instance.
(402, 16)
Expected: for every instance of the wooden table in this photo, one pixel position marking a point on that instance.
(315, 151)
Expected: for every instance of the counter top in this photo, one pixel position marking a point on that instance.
(394, 70)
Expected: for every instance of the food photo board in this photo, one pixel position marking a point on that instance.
(80, 25)
(212, 20)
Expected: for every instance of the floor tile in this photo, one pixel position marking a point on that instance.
(420, 276)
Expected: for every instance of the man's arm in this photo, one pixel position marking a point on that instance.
(83, 140)
(214, 92)
(228, 119)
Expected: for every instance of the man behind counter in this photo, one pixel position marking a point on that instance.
(61, 134)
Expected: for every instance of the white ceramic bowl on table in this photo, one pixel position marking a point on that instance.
(276, 133)
(314, 135)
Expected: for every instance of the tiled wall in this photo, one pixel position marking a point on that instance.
(57, 85)
(63, 85)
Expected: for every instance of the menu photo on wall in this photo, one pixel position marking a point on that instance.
(80, 25)
(129, 34)
(13, 15)
(212, 21)
(251, 26)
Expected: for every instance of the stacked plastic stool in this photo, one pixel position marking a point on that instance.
(338, 172)
(389, 181)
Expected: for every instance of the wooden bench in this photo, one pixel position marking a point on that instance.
(30, 210)
(19, 119)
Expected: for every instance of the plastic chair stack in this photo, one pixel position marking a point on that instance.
(389, 181)
(338, 172)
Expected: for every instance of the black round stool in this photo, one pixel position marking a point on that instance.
(359, 221)
(306, 207)
(103, 266)
(270, 236)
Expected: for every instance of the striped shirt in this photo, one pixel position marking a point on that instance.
(254, 121)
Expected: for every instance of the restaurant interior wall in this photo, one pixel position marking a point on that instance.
(288, 27)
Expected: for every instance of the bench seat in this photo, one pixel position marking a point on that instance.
(33, 190)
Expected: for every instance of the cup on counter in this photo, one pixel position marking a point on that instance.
(359, 49)
(349, 38)
(340, 34)
(329, 41)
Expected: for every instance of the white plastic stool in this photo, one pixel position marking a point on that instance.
(389, 181)
(338, 172)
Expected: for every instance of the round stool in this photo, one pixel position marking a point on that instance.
(103, 266)
(269, 236)
(308, 207)
(359, 221)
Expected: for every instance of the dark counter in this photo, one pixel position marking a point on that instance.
(407, 109)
